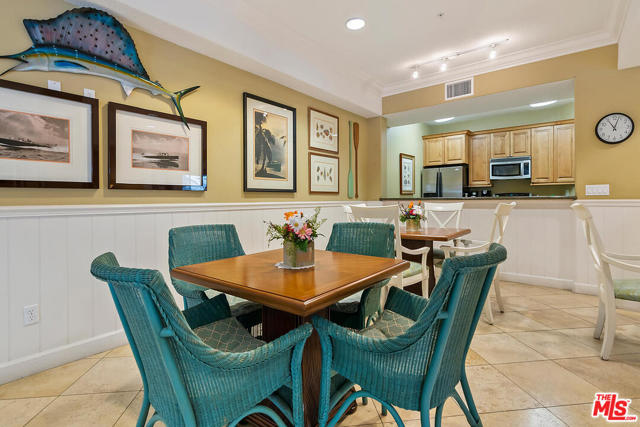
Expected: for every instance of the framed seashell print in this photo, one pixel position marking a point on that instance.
(323, 131)
(324, 173)
(407, 174)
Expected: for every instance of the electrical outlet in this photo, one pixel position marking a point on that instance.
(31, 314)
(89, 93)
(597, 190)
(53, 85)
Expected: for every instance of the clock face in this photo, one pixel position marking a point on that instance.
(614, 128)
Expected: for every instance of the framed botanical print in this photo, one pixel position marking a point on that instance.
(324, 173)
(269, 145)
(48, 139)
(323, 131)
(407, 174)
(149, 150)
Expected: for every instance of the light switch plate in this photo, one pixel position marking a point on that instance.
(597, 190)
(54, 85)
(89, 93)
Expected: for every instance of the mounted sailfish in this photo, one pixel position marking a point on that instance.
(89, 41)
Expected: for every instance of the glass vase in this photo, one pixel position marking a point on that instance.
(413, 224)
(293, 257)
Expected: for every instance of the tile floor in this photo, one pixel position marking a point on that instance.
(538, 365)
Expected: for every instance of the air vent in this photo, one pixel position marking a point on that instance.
(458, 89)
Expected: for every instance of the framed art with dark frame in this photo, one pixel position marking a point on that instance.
(324, 131)
(149, 150)
(324, 173)
(407, 174)
(269, 130)
(48, 139)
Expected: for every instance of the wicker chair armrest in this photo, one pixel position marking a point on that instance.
(405, 303)
(357, 342)
(208, 311)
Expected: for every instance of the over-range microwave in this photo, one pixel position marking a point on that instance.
(510, 168)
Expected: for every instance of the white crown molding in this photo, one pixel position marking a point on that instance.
(522, 57)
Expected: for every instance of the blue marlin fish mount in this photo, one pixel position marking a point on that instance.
(89, 41)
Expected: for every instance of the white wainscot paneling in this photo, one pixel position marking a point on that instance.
(46, 253)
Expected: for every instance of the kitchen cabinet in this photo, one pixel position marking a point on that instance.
(500, 145)
(447, 149)
(480, 153)
(563, 153)
(542, 155)
(520, 142)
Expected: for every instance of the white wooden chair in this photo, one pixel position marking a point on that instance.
(609, 289)
(500, 220)
(347, 210)
(442, 215)
(417, 272)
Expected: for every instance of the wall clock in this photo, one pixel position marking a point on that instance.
(614, 128)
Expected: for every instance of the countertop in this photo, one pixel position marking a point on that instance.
(482, 198)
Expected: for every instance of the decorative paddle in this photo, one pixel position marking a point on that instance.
(350, 177)
(356, 140)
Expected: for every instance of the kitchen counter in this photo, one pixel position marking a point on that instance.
(386, 199)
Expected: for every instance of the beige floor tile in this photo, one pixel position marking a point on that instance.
(502, 348)
(621, 344)
(18, 412)
(513, 321)
(99, 355)
(451, 408)
(474, 359)
(591, 314)
(580, 415)
(607, 375)
(630, 333)
(557, 319)
(110, 374)
(494, 392)
(549, 383)
(484, 328)
(635, 315)
(458, 421)
(130, 415)
(520, 303)
(101, 409)
(530, 290)
(554, 344)
(539, 417)
(122, 351)
(567, 301)
(364, 415)
(51, 382)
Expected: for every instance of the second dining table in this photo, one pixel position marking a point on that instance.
(414, 239)
(291, 297)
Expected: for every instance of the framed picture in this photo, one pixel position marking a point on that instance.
(48, 139)
(407, 174)
(269, 145)
(324, 173)
(323, 131)
(149, 150)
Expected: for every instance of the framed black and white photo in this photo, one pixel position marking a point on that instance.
(269, 145)
(324, 173)
(149, 150)
(48, 139)
(323, 131)
(407, 174)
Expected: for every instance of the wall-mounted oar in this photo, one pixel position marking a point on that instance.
(356, 140)
(350, 177)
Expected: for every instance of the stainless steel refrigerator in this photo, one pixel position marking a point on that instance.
(444, 181)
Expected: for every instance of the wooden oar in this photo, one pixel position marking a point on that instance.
(350, 177)
(356, 140)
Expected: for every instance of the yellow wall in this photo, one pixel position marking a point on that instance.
(218, 101)
(599, 89)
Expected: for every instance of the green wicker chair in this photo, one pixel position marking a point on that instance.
(201, 243)
(413, 355)
(374, 239)
(201, 366)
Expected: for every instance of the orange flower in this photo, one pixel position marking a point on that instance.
(410, 205)
(288, 215)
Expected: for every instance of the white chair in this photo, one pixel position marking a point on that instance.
(609, 289)
(417, 272)
(450, 211)
(347, 210)
(500, 220)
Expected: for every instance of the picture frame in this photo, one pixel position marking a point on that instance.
(324, 131)
(48, 138)
(150, 150)
(407, 174)
(269, 162)
(324, 173)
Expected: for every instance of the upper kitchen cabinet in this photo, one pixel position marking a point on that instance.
(446, 149)
(500, 145)
(563, 153)
(542, 155)
(552, 154)
(480, 153)
(515, 143)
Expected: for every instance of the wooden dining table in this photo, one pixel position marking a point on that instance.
(291, 297)
(414, 239)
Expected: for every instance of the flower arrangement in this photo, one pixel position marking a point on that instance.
(298, 229)
(410, 213)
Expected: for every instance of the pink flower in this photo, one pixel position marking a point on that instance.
(305, 233)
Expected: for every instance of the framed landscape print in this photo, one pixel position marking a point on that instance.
(324, 173)
(149, 150)
(407, 174)
(269, 145)
(48, 139)
(323, 131)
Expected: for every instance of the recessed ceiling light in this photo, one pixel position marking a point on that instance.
(443, 66)
(446, 119)
(355, 24)
(415, 74)
(542, 104)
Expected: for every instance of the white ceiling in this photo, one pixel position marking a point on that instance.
(305, 45)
